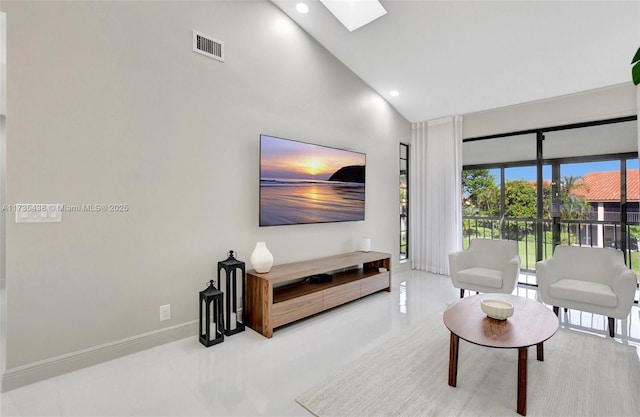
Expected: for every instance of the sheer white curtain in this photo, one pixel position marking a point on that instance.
(436, 189)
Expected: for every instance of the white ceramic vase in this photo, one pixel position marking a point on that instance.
(261, 258)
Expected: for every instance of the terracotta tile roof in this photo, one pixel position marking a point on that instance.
(605, 186)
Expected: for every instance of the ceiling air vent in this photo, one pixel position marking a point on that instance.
(206, 45)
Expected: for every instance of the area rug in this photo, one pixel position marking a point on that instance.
(582, 375)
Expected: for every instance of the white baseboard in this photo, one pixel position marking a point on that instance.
(48, 368)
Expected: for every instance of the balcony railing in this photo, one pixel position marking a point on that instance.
(633, 217)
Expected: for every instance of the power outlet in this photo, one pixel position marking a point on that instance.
(165, 312)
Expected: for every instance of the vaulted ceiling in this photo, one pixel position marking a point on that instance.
(460, 57)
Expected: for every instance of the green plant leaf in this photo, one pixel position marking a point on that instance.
(635, 73)
(636, 57)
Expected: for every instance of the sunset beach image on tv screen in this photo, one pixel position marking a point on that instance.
(305, 183)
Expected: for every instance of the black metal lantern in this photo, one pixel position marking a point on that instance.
(211, 316)
(234, 300)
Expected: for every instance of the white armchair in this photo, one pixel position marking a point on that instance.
(589, 279)
(487, 266)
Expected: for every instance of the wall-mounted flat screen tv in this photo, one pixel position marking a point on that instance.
(303, 183)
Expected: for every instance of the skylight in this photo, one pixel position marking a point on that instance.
(354, 14)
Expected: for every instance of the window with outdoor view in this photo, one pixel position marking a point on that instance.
(572, 185)
(404, 201)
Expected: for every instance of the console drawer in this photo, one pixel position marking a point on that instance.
(287, 311)
(339, 295)
(375, 283)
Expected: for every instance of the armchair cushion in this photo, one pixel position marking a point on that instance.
(482, 276)
(584, 292)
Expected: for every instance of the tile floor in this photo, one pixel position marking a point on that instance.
(250, 375)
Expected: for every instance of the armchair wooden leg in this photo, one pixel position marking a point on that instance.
(461, 292)
(612, 326)
(556, 310)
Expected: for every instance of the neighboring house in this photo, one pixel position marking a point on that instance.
(602, 191)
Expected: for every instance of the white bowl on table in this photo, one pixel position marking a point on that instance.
(496, 309)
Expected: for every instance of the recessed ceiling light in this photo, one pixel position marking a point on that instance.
(302, 8)
(394, 93)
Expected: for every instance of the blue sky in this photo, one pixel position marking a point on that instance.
(566, 170)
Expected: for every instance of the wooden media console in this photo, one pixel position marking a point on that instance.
(284, 295)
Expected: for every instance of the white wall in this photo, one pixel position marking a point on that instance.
(107, 103)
